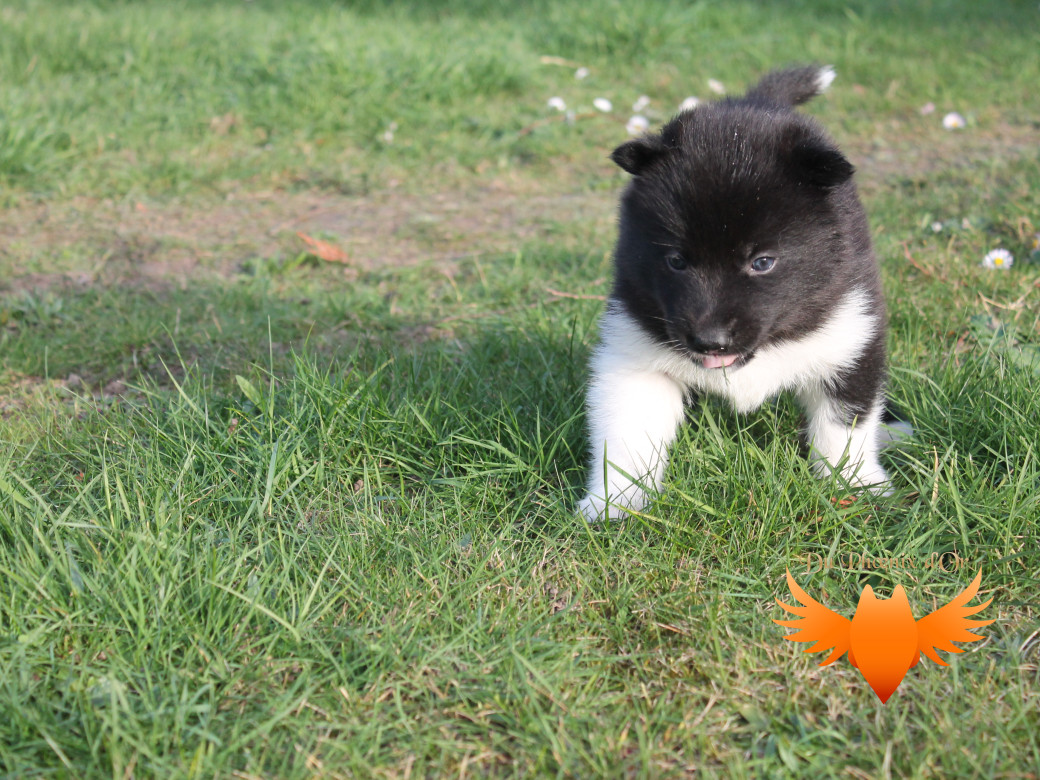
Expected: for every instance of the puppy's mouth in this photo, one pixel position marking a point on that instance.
(719, 360)
(712, 356)
(722, 361)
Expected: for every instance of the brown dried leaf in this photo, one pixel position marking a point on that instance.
(323, 250)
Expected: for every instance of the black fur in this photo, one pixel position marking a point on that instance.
(741, 236)
(728, 182)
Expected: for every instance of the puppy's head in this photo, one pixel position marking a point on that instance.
(740, 228)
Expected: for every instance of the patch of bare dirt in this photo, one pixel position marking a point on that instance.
(80, 242)
(915, 148)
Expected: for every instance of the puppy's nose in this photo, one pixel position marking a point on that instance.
(709, 341)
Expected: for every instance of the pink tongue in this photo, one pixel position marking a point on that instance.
(719, 361)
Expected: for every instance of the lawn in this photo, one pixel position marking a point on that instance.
(296, 300)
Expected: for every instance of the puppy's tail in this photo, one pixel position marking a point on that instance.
(793, 86)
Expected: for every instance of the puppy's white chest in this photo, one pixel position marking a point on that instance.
(818, 356)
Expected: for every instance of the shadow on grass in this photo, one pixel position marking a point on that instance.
(424, 404)
(419, 402)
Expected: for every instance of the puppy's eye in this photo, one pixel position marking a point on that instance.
(676, 262)
(761, 265)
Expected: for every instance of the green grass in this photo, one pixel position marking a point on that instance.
(267, 516)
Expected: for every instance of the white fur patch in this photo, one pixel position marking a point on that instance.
(635, 401)
(834, 443)
(824, 78)
(633, 416)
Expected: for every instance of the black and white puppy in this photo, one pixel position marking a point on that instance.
(743, 268)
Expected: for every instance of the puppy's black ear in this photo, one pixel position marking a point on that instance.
(633, 156)
(822, 166)
(814, 161)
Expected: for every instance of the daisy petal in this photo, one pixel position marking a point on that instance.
(637, 125)
(998, 259)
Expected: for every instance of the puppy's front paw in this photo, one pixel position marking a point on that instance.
(870, 476)
(595, 509)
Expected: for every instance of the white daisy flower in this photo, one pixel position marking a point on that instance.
(689, 104)
(998, 258)
(581, 73)
(953, 121)
(637, 125)
(927, 108)
(937, 227)
(602, 104)
(641, 103)
(557, 103)
(716, 86)
(388, 134)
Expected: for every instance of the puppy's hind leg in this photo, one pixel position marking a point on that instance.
(894, 428)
